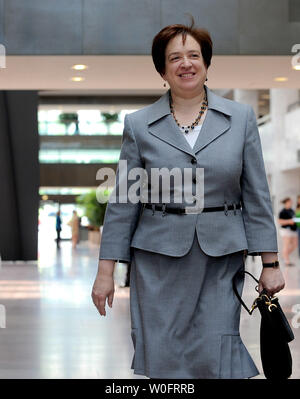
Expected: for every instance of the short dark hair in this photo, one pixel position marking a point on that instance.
(163, 37)
(285, 200)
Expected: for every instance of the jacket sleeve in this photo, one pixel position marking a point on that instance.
(256, 202)
(121, 218)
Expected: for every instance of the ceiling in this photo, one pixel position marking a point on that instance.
(136, 75)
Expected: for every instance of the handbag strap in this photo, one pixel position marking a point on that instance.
(239, 272)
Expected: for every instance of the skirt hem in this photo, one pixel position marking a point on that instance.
(162, 376)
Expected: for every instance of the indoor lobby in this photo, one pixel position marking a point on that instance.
(70, 72)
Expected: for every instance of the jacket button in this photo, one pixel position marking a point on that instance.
(193, 160)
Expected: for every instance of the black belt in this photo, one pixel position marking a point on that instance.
(166, 209)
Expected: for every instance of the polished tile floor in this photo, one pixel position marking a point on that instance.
(49, 327)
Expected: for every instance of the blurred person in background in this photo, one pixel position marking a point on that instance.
(58, 228)
(74, 223)
(288, 230)
(297, 214)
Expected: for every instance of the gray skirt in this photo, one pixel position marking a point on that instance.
(185, 316)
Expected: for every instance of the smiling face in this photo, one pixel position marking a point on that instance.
(185, 68)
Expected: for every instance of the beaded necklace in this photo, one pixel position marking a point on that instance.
(187, 129)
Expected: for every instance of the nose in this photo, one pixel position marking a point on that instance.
(186, 62)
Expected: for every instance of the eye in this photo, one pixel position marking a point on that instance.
(196, 55)
(174, 58)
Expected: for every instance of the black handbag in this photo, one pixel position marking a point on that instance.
(275, 333)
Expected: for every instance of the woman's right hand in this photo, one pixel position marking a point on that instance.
(103, 287)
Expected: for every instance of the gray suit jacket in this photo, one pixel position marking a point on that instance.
(229, 149)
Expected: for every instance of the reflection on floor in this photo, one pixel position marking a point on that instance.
(52, 329)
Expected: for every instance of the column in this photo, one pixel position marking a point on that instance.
(247, 97)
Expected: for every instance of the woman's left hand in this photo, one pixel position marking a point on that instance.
(271, 279)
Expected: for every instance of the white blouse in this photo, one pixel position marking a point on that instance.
(191, 137)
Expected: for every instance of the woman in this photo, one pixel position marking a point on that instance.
(184, 315)
(288, 230)
(74, 223)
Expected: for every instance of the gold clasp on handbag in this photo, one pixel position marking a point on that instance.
(270, 306)
(269, 301)
(254, 305)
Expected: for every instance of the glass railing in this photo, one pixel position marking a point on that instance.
(89, 122)
(64, 190)
(61, 129)
(83, 156)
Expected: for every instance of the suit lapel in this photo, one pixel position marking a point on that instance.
(167, 130)
(215, 124)
(162, 124)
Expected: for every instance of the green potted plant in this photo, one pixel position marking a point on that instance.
(94, 210)
(109, 118)
(68, 118)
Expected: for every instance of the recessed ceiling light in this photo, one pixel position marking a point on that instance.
(79, 67)
(281, 79)
(77, 78)
(45, 197)
(296, 67)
